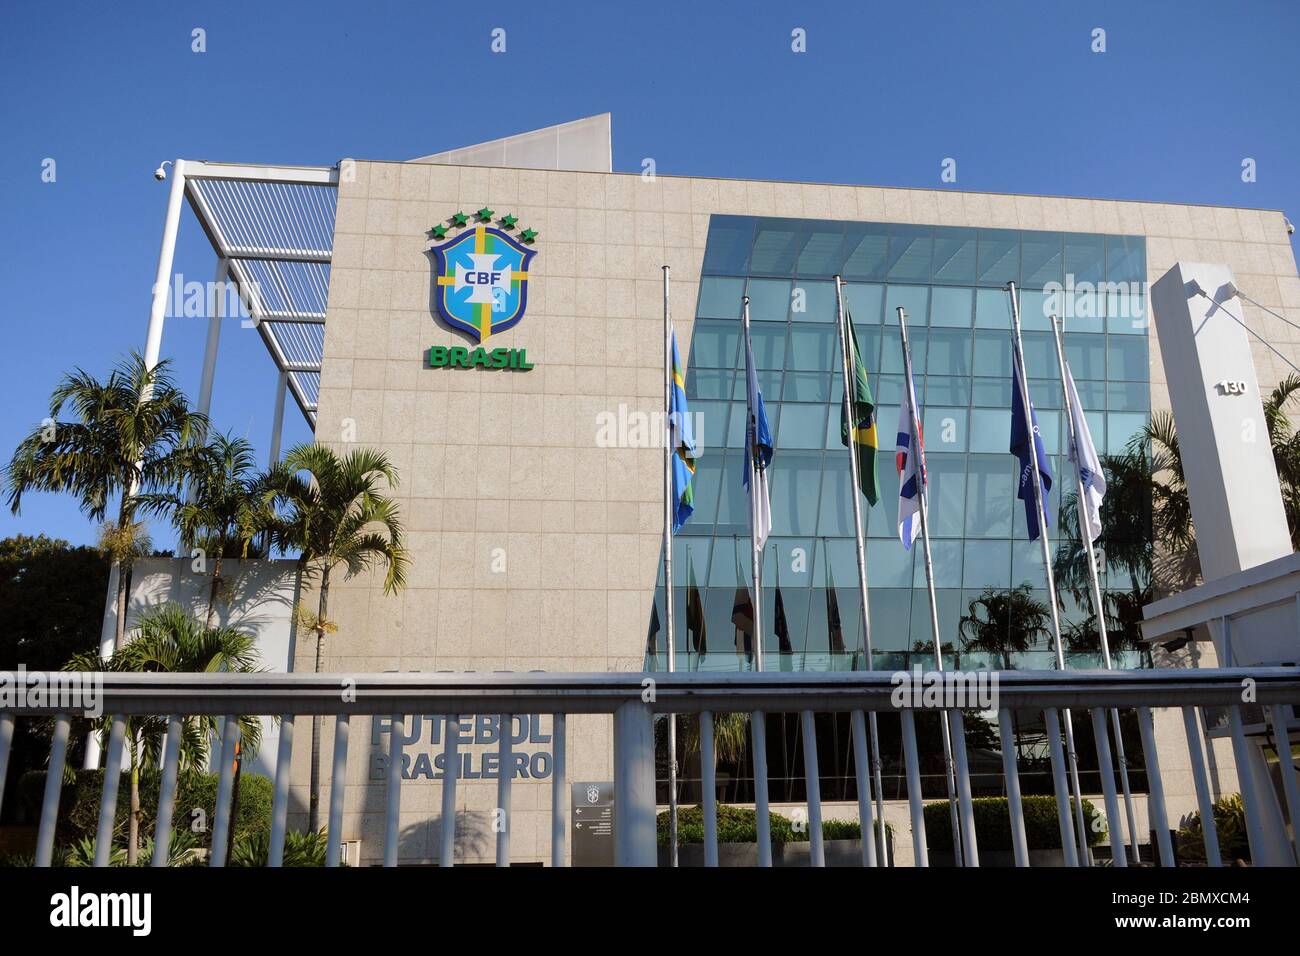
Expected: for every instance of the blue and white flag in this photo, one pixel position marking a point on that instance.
(758, 450)
(1084, 454)
(1020, 448)
(911, 469)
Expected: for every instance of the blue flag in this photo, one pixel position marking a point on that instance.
(681, 439)
(1020, 448)
(758, 448)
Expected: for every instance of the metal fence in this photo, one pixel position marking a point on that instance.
(634, 700)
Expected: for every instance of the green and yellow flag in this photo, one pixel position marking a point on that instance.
(864, 420)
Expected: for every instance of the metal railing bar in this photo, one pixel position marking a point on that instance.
(709, 789)
(338, 791)
(1192, 728)
(108, 793)
(393, 808)
(450, 774)
(1287, 768)
(280, 797)
(816, 851)
(505, 773)
(1019, 842)
(1105, 769)
(862, 776)
(1155, 785)
(53, 788)
(171, 762)
(915, 804)
(762, 814)
(6, 745)
(965, 807)
(222, 824)
(1250, 796)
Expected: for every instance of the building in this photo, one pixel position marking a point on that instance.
(532, 496)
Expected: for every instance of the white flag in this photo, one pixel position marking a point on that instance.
(1084, 455)
(911, 470)
(758, 450)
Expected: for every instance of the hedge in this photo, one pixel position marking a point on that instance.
(79, 802)
(993, 823)
(740, 825)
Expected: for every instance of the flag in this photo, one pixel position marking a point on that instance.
(911, 470)
(1020, 448)
(835, 630)
(758, 449)
(1084, 455)
(780, 624)
(681, 439)
(864, 420)
(695, 627)
(652, 639)
(742, 616)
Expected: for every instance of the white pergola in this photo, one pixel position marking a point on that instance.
(272, 229)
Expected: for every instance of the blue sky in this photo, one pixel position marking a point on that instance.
(1011, 90)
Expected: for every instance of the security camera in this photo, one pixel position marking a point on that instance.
(161, 172)
(1290, 229)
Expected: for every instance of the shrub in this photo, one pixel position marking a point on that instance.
(740, 825)
(300, 849)
(1230, 826)
(993, 823)
(79, 803)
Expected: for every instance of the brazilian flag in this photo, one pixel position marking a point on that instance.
(864, 420)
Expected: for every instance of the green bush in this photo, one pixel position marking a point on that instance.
(993, 823)
(300, 849)
(1229, 825)
(740, 825)
(79, 803)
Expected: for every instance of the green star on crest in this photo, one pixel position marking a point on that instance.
(460, 219)
(485, 214)
(508, 222)
(528, 235)
(439, 232)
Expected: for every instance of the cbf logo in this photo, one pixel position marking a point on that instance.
(593, 794)
(482, 274)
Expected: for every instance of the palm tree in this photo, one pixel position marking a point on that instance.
(170, 641)
(1003, 622)
(332, 511)
(222, 510)
(132, 433)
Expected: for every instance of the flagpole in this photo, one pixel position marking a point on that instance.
(856, 480)
(757, 721)
(914, 446)
(1080, 826)
(668, 568)
(1095, 582)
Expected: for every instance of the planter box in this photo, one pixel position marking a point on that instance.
(839, 853)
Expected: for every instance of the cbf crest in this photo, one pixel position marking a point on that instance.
(481, 274)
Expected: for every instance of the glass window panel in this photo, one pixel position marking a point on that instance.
(795, 481)
(946, 390)
(891, 612)
(720, 298)
(951, 307)
(987, 564)
(992, 309)
(909, 253)
(808, 386)
(944, 429)
(891, 361)
(733, 506)
(802, 426)
(883, 522)
(889, 565)
(776, 243)
(1127, 358)
(1086, 355)
(946, 479)
(812, 348)
(688, 554)
(769, 300)
(1126, 313)
(991, 391)
(993, 355)
(789, 562)
(1085, 257)
(946, 557)
(1096, 427)
(818, 301)
(1027, 565)
(1049, 427)
(715, 344)
(727, 250)
(869, 342)
(1035, 310)
(1091, 394)
(711, 418)
(948, 352)
(836, 506)
(709, 383)
(1084, 310)
(954, 256)
(823, 250)
(888, 390)
(990, 490)
(1125, 259)
(769, 349)
(990, 429)
(866, 247)
(865, 301)
(1126, 397)
(915, 300)
(1040, 354)
(769, 382)
(1046, 393)
(1042, 258)
(999, 256)
(722, 570)
(1121, 427)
